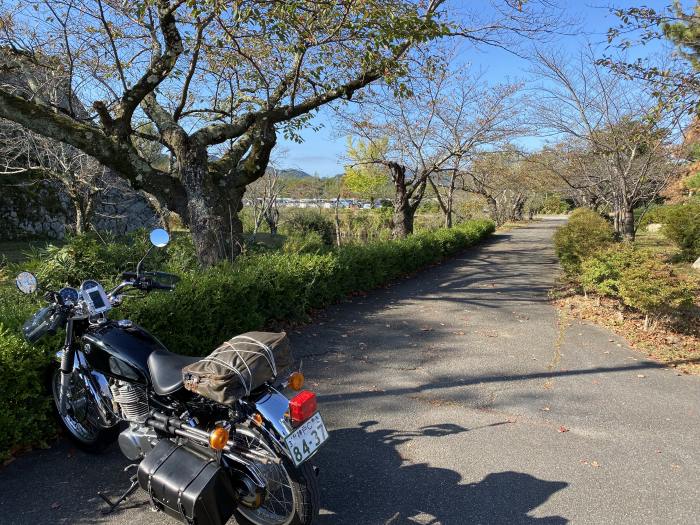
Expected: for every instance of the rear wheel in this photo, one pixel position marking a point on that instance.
(291, 495)
(80, 419)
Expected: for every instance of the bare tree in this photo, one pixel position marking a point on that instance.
(262, 197)
(472, 117)
(617, 138)
(81, 177)
(501, 179)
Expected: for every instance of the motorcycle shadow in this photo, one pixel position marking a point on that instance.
(364, 479)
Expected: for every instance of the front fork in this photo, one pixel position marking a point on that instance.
(67, 364)
(73, 362)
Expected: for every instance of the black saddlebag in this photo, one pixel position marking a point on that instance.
(187, 483)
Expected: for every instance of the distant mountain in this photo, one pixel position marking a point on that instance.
(294, 174)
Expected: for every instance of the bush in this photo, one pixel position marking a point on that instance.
(552, 204)
(653, 288)
(638, 278)
(210, 306)
(682, 226)
(303, 222)
(312, 242)
(602, 271)
(585, 233)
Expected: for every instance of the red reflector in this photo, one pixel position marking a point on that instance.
(302, 406)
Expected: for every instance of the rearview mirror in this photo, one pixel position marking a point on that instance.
(26, 282)
(159, 238)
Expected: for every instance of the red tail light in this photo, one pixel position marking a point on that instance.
(302, 406)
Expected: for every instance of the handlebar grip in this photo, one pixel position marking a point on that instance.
(157, 286)
(129, 275)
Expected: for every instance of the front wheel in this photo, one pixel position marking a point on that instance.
(291, 495)
(80, 421)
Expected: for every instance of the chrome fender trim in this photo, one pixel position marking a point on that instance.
(273, 407)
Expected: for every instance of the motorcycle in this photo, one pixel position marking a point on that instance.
(199, 460)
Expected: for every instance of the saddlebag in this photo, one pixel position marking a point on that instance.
(239, 366)
(187, 483)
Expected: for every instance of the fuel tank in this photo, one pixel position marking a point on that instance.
(120, 349)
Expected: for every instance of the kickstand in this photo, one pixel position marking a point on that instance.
(132, 488)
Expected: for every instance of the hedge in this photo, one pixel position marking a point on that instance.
(207, 307)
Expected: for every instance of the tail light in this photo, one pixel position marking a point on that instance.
(302, 406)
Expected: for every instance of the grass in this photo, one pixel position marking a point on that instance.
(658, 243)
(18, 251)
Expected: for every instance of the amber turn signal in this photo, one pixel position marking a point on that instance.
(218, 438)
(296, 381)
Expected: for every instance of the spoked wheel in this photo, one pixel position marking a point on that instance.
(291, 495)
(80, 419)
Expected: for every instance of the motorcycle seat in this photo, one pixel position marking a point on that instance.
(166, 370)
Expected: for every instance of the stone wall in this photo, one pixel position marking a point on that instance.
(42, 210)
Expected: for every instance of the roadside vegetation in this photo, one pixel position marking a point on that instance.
(645, 290)
(263, 288)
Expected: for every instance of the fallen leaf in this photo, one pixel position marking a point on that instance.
(545, 409)
(641, 375)
(595, 464)
(563, 429)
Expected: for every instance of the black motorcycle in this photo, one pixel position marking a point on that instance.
(199, 460)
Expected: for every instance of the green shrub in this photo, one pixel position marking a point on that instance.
(303, 222)
(638, 278)
(653, 288)
(585, 233)
(25, 414)
(207, 307)
(312, 242)
(553, 204)
(601, 272)
(682, 226)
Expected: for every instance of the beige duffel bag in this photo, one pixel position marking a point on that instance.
(239, 366)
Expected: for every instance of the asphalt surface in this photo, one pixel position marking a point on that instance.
(457, 396)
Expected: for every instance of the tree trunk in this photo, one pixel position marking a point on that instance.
(628, 225)
(493, 210)
(217, 231)
(448, 207)
(79, 219)
(402, 221)
(337, 221)
(272, 216)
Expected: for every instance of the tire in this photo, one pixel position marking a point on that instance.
(306, 497)
(81, 433)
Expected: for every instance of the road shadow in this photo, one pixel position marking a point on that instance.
(371, 483)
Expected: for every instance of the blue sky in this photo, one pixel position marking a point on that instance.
(321, 152)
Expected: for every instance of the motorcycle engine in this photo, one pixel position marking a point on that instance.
(132, 400)
(137, 440)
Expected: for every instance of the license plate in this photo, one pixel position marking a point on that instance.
(305, 440)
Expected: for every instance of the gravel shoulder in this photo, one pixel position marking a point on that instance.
(459, 395)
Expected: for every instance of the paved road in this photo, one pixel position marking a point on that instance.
(447, 395)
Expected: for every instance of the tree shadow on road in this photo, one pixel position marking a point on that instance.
(365, 479)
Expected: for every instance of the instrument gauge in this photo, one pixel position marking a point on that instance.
(69, 295)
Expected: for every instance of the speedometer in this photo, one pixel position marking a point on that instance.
(69, 296)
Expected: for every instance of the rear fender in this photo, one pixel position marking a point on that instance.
(274, 409)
